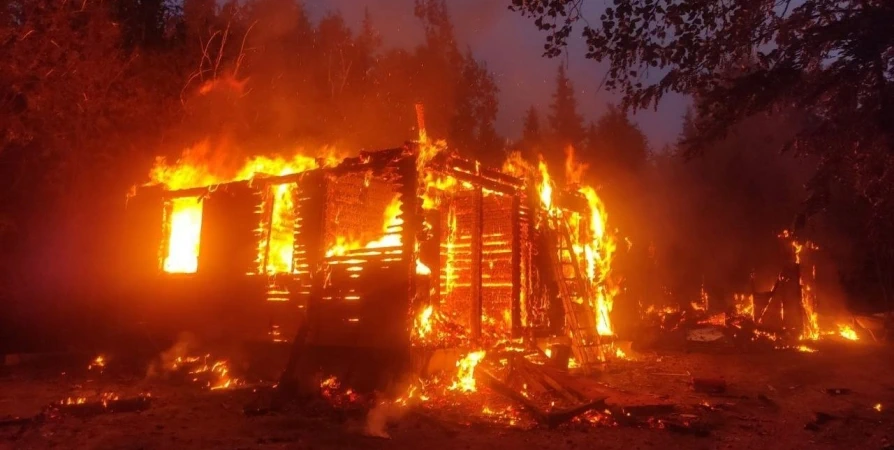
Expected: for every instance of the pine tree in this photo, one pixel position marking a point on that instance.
(531, 127)
(532, 135)
(565, 122)
(617, 144)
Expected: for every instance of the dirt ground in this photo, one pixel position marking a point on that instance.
(772, 397)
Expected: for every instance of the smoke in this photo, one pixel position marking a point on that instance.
(167, 360)
(381, 415)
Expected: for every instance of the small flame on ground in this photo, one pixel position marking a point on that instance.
(98, 363)
(847, 332)
(877, 407)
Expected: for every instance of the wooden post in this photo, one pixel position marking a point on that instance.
(269, 199)
(516, 266)
(434, 219)
(476, 253)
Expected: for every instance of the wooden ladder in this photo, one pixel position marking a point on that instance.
(577, 298)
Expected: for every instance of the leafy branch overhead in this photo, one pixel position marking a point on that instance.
(831, 59)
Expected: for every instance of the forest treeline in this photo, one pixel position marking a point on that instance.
(92, 91)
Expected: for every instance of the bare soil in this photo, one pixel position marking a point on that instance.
(771, 399)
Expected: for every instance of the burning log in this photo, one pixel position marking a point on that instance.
(108, 404)
(544, 376)
(550, 419)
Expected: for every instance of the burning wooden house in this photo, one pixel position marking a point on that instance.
(412, 246)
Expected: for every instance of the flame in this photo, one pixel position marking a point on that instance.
(465, 375)
(281, 246)
(516, 166)
(450, 275)
(432, 184)
(422, 269)
(545, 187)
(599, 248)
(202, 166)
(98, 363)
(877, 407)
(744, 305)
(74, 401)
(847, 332)
(811, 324)
(423, 325)
(595, 247)
(216, 375)
(107, 397)
(390, 233)
(811, 329)
(185, 229)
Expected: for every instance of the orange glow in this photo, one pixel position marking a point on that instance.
(847, 332)
(185, 228)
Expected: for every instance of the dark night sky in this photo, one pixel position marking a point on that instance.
(512, 47)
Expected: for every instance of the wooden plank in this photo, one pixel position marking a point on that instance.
(476, 230)
(516, 267)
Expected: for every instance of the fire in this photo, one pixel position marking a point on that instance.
(744, 305)
(593, 246)
(281, 245)
(450, 275)
(877, 407)
(216, 375)
(847, 332)
(185, 229)
(74, 401)
(199, 166)
(465, 376)
(811, 324)
(598, 251)
(390, 233)
(98, 363)
(423, 322)
(433, 183)
(545, 186)
(811, 329)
